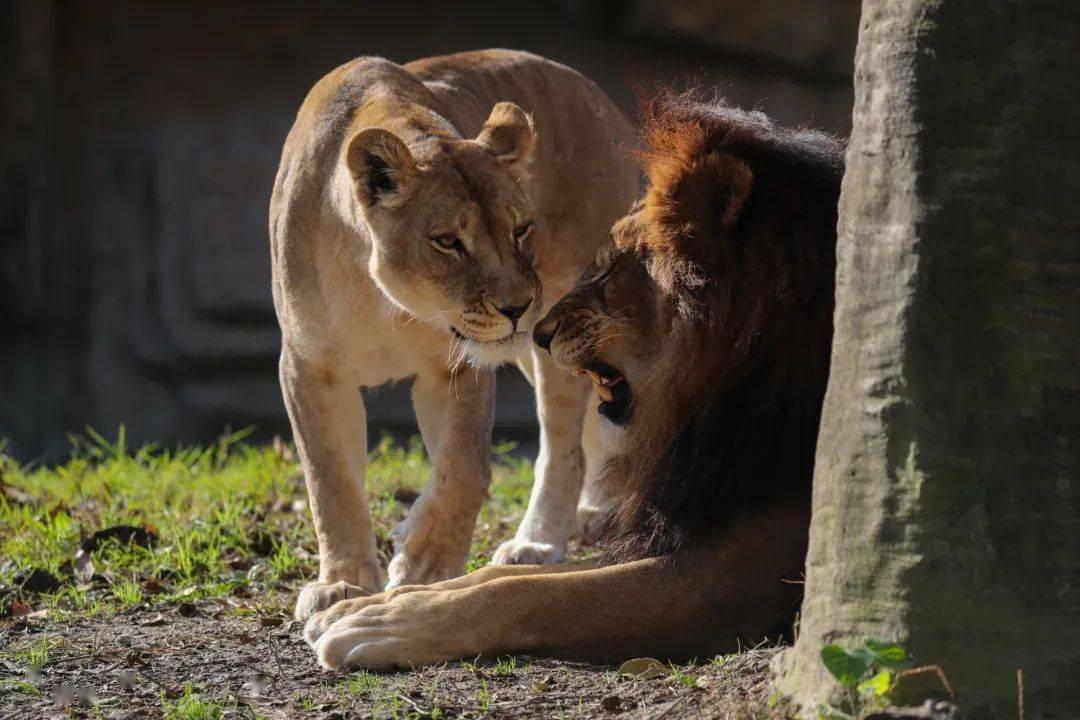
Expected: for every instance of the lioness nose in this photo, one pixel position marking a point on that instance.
(545, 332)
(514, 313)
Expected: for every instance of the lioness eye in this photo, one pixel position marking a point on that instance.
(449, 243)
(522, 232)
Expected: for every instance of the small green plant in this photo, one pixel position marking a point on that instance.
(191, 706)
(127, 593)
(285, 562)
(483, 697)
(504, 667)
(36, 654)
(868, 675)
(679, 677)
(362, 684)
(22, 686)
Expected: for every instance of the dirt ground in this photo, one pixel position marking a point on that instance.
(204, 660)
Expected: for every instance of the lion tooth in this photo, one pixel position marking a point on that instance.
(604, 393)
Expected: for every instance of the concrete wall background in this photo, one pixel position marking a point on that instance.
(138, 145)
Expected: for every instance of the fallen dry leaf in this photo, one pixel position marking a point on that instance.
(643, 669)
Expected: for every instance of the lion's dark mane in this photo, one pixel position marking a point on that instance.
(753, 323)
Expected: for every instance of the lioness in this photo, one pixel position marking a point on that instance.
(415, 218)
(705, 323)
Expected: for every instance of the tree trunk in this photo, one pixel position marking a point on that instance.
(947, 482)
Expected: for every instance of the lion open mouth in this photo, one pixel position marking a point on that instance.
(613, 389)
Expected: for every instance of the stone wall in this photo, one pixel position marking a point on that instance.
(138, 145)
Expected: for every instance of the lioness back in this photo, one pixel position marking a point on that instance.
(582, 160)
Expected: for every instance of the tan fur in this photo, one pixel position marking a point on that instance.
(384, 160)
(712, 302)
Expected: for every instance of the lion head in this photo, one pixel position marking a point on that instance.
(705, 321)
(451, 228)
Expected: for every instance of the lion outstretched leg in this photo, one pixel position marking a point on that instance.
(560, 401)
(330, 429)
(455, 414)
(319, 622)
(696, 604)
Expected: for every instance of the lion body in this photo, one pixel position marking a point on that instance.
(362, 298)
(705, 324)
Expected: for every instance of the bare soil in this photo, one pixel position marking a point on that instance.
(138, 663)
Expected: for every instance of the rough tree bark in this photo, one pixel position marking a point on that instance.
(947, 484)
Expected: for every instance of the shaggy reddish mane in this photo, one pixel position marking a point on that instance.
(741, 218)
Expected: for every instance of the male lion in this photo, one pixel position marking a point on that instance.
(705, 323)
(415, 217)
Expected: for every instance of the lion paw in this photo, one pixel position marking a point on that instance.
(526, 552)
(316, 596)
(395, 633)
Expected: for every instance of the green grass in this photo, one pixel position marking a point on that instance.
(192, 706)
(224, 516)
(34, 654)
(362, 684)
(504, 667)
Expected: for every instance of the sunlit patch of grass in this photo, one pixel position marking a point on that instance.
(33, 654)
(127, 593)
(23, 687)
(483, 696)
(223, 516)
(504, 667)
(191, 706)
(362, 683)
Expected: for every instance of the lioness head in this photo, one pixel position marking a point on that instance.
(451, 228)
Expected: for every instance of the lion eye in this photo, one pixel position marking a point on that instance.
(522, 232)
(449, 243)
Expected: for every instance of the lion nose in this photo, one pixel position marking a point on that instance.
(545, 332)
(514, 312)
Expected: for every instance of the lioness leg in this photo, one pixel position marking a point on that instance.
(600, 439)
(699, 603)
(560, 402)
(455, 416)
(330, 428)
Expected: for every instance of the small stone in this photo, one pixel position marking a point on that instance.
(187, 609)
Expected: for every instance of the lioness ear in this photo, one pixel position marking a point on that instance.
(508, 133)
(382, 167)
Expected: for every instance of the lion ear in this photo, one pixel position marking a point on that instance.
(735, 179)
(508, 133)
(382, 168)
(703, 192)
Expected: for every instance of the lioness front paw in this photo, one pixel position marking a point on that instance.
(590, 522)
(526, 552)
(316, 596)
